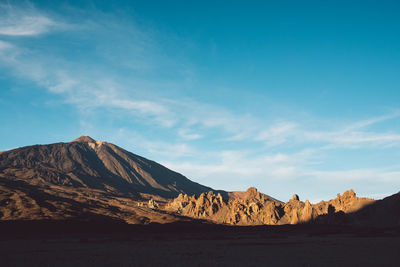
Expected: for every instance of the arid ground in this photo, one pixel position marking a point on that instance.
(188, 244)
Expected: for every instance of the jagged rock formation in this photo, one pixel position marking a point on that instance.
(152, 204)
(254, 208)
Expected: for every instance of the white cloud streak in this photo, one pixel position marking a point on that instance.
(277, 134)
(244, 164)
(361, 175)
(353, 135)
(27, 22)
(26, 26)
(188, 135)
(4, 45)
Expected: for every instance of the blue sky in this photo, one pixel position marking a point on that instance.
(288, 96)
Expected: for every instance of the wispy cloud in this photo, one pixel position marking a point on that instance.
(277, 134)
(354, 135)
(4, 46)
(244, 164)
(172, 150)
(23, 22)
(371, 121)
(351, 135)
(188, 135)
(379, 175)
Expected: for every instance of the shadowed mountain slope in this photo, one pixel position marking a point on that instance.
(86, 163)
(385, 212)
(380, 213)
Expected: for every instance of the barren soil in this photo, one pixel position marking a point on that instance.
(196, 245)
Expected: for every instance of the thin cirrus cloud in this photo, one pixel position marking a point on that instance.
(4, 45)
(17, 22)
(188, 135)
(351, 135)
(232, 169)
(277, 134)
(370, 174)
(354, 135)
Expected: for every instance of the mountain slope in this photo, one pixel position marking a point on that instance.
(86, 163)
(380, 213)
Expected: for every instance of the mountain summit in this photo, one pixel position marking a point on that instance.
(84, 139)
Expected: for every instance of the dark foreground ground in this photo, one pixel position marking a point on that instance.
(189, 244)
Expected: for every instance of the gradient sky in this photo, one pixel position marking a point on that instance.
(288, 96)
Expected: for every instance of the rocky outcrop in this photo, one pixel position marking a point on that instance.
(346, 203)
(251, 208)
(152, 204)
(204, 206)
(254, 208)
(247, 209)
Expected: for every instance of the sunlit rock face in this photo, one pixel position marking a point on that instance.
(254, 208)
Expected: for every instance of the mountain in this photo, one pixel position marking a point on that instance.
(86, 163)
(86, 179)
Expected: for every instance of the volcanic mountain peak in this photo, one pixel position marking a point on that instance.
(94, 165)
(84, 139)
